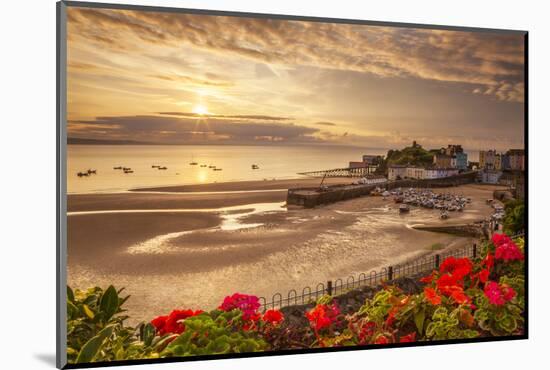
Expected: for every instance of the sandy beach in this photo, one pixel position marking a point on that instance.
(189, 246)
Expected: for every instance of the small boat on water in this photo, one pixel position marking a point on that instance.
(211, 166)
(255, 167)
(444, 215)
(128, 171)
(404, 208)
(193, 163)
(117, 168)
(155, 166)
(203, 165)
(163, 168)
(92, 172)
(217, 169)
(80, 174)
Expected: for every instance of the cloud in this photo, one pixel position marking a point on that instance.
(257, 117)
(212, 81)
(490, 62)
(185, 130)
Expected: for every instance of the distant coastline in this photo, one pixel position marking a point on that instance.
(81, 141)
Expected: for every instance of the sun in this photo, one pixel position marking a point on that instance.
(200, 109)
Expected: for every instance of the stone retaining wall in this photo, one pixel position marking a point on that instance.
(311, 197)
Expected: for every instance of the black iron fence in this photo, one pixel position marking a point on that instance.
(412, 268)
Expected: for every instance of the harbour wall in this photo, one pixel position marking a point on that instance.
(312, 196)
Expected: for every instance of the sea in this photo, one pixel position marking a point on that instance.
(235, 162)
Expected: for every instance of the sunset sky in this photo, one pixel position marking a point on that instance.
(195, 79)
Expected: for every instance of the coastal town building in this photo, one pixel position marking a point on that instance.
(399, 172)
(498, 161)
(368, 161)
(487, 159)
(490, 176)
(517, 159)
(513, 159)
(438, 173)
(373, 180)
(453, 156)
(396, 172)
(443, 160)
(371, 159)
(413, 172)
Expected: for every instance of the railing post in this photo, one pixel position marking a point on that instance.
(390, 273)
(437, 260)
(474, 251)
(329, 287)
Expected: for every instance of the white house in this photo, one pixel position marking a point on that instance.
(372, 180)
(396, 172)
(414, 172)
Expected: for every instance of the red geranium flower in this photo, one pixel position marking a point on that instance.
(322, 316)
(488, 261)
(457, 267)
(428, 279)
(159, 323)
(446, 283)
(432, 296)
(172, 323)
(273, 317)
(483, 275)
(499, 239)
(408, 338)
(381, 339)
(459, 296)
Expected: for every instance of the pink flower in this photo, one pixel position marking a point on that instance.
(248, 304)
(508, 252)
(498, 294)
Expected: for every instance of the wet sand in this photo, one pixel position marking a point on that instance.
(249, 185)
(185, 250)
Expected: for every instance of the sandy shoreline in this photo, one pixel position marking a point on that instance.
(246, 185)
(193, 257)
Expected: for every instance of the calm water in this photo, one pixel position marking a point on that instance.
(274, 162)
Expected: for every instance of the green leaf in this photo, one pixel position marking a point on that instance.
(70, 294)
(88, 311)
(148, 334)
(109, 302)
(89, 350)
(419, 318)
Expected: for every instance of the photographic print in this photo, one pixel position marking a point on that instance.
(241, 184)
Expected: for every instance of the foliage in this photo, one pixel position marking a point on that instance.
(215, 333)
(96, 329)
(463, 298)
(514, 219)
